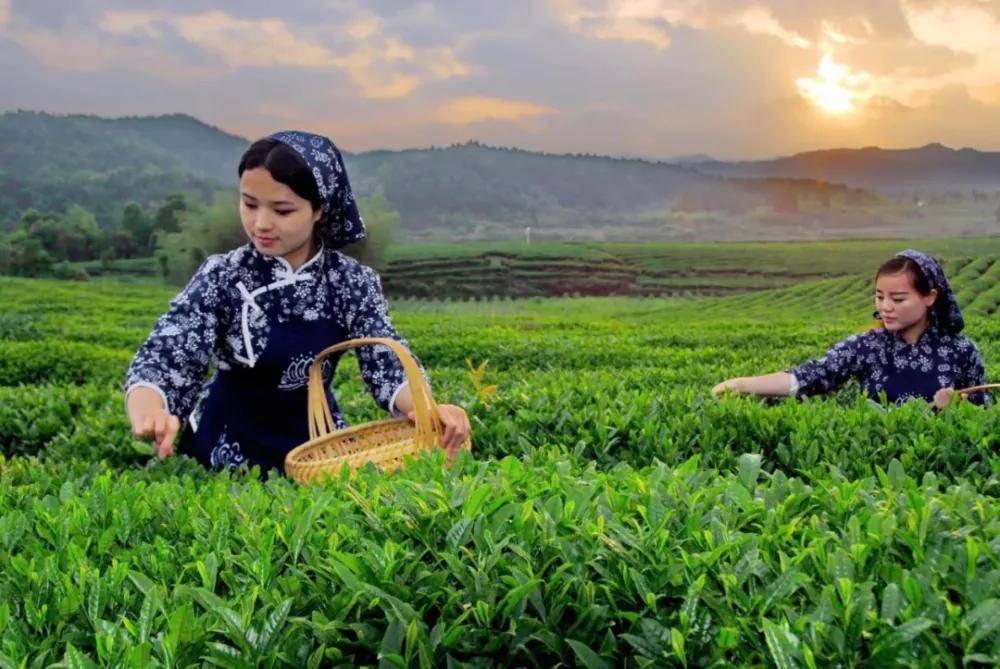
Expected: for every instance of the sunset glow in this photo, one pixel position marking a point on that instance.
(647, 78)
(833, 87)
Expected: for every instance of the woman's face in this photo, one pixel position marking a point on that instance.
(277, 220)
(899, 303)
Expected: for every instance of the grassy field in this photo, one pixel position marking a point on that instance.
(613, 512)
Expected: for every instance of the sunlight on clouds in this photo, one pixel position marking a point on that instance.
(965, 28)
(393, 49)
(89, 53)
(378, 86)
(4, 11)
(444, 64)
(648, 20)
(373, 78)
(631, 30)
(372, 64)
(759, 20)
(641, 21)
(834, 89)
(370, 69)
(959, 27)
(835, 36)
(364, 27)
(989, 95)
(239, 42)
(462, 111)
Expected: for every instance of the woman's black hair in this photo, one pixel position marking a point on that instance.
(285, 165)
(902, 264)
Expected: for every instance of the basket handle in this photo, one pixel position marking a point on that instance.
(975, 389)
(428, 422)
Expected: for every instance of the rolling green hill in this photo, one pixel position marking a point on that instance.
(466, 192)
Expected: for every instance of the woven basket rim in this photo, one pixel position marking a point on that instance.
(347, 431)
(980, 388)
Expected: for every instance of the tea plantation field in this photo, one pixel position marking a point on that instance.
(613, 513)
(642, 269)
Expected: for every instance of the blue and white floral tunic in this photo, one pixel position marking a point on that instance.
(883, 361)
(263, 324)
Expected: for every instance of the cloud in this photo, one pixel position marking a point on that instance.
(905, 58)
(464, 111)
(90, 53)
(363, 27)
(238, 42)
(380, 65)
(988, 94)
(971, 27)
(631, 29)
(876, 36)
(389, 69)
(443, 63)
(4, 12)
(642, 21)
(991, 7)
(796, 23)
(760, 20)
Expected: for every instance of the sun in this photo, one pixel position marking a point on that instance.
(833, 89)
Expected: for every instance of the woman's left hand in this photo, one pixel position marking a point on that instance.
(942, 397)
(455, 427)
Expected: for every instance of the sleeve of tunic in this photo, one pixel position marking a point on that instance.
(176, 356)
(380, 369)
(823, 375)
(972, 371)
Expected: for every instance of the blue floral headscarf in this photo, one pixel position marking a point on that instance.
(946, 315)
(341, 222)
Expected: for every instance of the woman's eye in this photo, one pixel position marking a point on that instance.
(899, 300)
(249, 206)
(286, 212)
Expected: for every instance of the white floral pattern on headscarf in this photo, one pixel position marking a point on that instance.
(947, 313)
(341, 223)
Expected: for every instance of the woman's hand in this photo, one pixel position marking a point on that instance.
(729, 385)
(151, 421)
(778, 384)
(455, 427)
(942, 397)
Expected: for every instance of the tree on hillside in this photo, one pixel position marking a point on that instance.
(138, 225)
(23, 255)
(73, 236)
(202, 231)
(82, 226)
(381, 222)
(168, 216)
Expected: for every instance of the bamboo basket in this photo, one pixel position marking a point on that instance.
(975, 389)
(385, 443)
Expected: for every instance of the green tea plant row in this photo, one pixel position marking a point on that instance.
(634, 422)
(534, 561)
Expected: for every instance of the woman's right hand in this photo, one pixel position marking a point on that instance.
(729, 385)
(778, 384)
(151, 421)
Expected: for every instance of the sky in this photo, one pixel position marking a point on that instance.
(651, 78)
